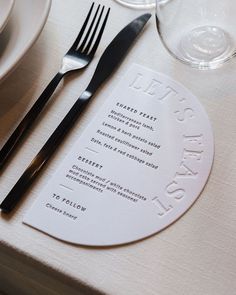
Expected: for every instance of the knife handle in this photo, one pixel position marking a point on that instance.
(26, 123)
(31, 172)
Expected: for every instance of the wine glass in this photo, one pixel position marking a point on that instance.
(137, 3)
(200, 33)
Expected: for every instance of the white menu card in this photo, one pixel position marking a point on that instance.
(138, 166)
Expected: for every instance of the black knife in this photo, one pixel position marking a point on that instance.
(109, 61)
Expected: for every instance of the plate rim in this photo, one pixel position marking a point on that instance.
(29, 43)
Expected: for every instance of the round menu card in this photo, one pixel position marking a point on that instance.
(139, 165)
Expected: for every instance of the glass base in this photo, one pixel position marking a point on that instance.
(207, 46)
(138, 3)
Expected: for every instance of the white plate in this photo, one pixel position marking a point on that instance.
(24, 26)
(5, 11)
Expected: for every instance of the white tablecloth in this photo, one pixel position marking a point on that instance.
(196, 255)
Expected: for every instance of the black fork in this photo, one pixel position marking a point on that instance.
(78, 57)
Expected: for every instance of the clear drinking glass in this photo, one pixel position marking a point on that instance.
(137, 3)
(201, 33)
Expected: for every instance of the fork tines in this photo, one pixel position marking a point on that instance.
(86, 44)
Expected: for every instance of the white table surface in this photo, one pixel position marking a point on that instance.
(196, 255)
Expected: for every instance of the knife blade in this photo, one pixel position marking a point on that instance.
(108, 63)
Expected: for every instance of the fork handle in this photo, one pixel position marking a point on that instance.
(23, 127)
(31, 172)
